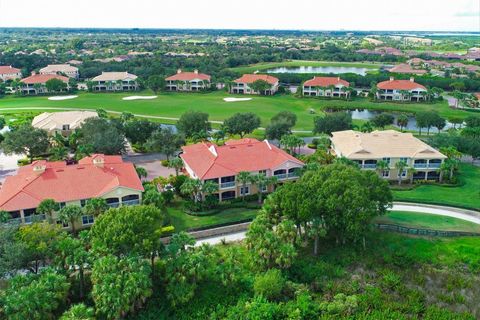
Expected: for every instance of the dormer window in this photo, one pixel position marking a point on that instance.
(65, 127)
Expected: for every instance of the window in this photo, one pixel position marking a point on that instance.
(244, 191)
(264, 189)
(61, 205)
(404, 160)
(386, 173)
(63, 224)
(83, 202)
(65, 127)
(387, 160)
(404, 173)
(228, 195)
(87, 219)
(264, 172)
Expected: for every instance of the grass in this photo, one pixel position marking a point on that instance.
(173, 105)
(182, 221)
(466, 195)
(427, 221)
(303, 63)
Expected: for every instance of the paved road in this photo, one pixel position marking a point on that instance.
(468, 215)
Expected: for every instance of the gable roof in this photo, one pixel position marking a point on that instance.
(406, 68)
(58, 68)
(210, 161)
(326, 81)
(64, 183)
(9, 70)
(188, 76)
(380, 144)
(55, 120)
(43, 78)
(399, 85)
(251, 78)
(114, 76)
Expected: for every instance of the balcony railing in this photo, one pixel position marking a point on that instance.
(34, 218)
(280, 176)
(114, 205)
(130, 202)
(420, 165)
(369, 166)
(226, 185)
(434, 165)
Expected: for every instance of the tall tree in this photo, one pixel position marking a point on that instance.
(102, 136)
(165, 141)
(26, 139)
(242, 123)
(177, 164)
(400, 166)
(79, 312)
(48, 207)
(260, 86)
(120, 285)
(193, 122)
(244, 177)
(336, 121)
(156, 83)
(402, 121)
(96, 206)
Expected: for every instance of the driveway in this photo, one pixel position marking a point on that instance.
(463, 214)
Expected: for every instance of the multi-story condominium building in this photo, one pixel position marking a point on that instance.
(243, 84)
(401, 90)
(115, 81)
(188, 81)
(97, 176)
(10, 73)
(326, 87)
(36, 83)
(62, 122)
(391, 146)
(222, 164)
(62, 69)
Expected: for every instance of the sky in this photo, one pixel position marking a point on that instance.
(420, 15)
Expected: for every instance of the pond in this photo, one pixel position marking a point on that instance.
(364, 114)
(322, 70)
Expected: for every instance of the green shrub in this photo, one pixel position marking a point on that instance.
(164, 163)
(168, 230)
(390, 279)
(341, 305)
(269, 284)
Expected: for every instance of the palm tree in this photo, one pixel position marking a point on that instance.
(367, 127)
(344, 90)
(403, 93)
(48, 207)
(244, 177)
(177, 164)
(382, 166)
(261, 181)
(96, 206)
(331, 88)
(373, 91)
(70, 214)
(400, 166)
(141, 172)
(402, 121)
(196, 188)
(411, 171)
(453, 159)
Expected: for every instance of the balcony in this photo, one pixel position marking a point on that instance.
(434, 165)
(420, 165)
(114, 204)
(281, 176)
(227, 185)
(369, 166)
(34, 218)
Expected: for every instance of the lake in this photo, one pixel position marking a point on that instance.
(364, 114)
(323, 70)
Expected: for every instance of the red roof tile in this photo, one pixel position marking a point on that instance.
(210, 161)
(325, 82)
(188, 76)
(8, 70)
(64, 183)
(406, 68)
(43, 78)
(399, 85)
(251, 78)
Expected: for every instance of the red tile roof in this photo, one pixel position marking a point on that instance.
(43, 78)
(8, 70)
(399, 85)
(477, 94)
(325, 82)
(210, 161)
(64, 183)
(251, 78)
(188, 76)
(406, 68)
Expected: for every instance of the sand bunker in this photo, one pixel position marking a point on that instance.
(236, 99)
(140, 98)
(62, 97)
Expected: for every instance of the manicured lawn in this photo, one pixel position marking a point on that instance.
(173, 105)
(182, 221)
(304, 63)
(427, 221)
(466, 195)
